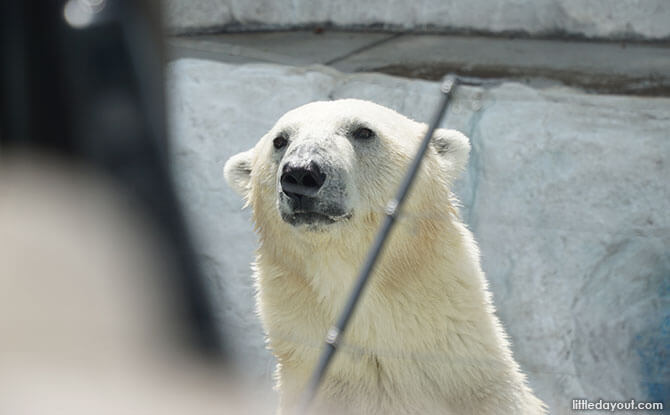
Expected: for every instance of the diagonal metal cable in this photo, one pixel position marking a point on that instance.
(392, 210)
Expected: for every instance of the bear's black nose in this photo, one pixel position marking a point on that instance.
(297, 182)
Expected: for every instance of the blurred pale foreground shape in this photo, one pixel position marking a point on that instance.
(87, 324)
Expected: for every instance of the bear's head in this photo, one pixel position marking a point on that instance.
(333, 164)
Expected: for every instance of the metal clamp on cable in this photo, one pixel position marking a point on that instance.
(448, 83)
(333, 336)
(391, 208)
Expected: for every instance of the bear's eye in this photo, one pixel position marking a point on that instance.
(363, 133)
(280, 141)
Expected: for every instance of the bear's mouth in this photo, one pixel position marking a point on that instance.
(313, 217)
(303, 217)
(314, 212)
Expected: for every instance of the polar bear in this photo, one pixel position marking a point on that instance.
(424, 339)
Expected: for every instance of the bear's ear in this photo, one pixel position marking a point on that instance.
(237, 172)
(453, 147)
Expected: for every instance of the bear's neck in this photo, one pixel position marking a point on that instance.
(429, 253)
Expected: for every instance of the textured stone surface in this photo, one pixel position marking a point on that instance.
(192, 14)
(591, 18)
(567, 194)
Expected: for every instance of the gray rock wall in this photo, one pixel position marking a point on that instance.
(635, 19)
(567, 194)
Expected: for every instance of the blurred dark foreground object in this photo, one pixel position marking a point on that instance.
(102, 307)
(82, 82)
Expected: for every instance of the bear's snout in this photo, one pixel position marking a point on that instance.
(300, 181)
(311, 193)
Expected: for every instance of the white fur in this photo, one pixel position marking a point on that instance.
(424, 339)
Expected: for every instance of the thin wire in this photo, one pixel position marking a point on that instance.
(392, 210)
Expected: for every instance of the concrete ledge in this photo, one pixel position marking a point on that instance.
(598, 19)
(605, 67)
(289, 48)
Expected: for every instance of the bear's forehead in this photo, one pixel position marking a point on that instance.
(323, 114)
